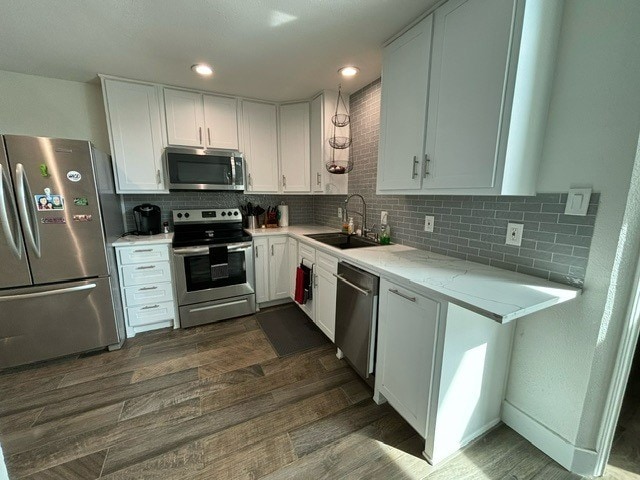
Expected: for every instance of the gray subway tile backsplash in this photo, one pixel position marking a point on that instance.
(554, 246)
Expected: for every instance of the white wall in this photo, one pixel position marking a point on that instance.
(31, 105)
(562, 357)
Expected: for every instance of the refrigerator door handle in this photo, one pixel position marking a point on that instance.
(48, 293)
(14, 243)
(27, 210)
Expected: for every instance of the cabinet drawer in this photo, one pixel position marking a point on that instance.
(306, 252)
(152, 313)
(143, 254)
(327, 262)
(146, 274)
(146, 294)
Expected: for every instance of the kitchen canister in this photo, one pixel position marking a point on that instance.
(283, 215)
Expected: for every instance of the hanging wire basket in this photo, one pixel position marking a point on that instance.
(338, 167)
(341, 119)
(340, 143)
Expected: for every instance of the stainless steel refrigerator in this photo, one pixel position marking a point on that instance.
(58, 279)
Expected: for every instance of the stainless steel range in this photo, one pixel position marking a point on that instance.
(213, 258)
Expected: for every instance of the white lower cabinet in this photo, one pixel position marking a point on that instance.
(272, 268)
(442, 367)
(325, 294)
(146, 287)
(293, 265)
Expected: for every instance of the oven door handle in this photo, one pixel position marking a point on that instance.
(231, 247)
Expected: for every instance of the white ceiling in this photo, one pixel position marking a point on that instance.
(269, 49)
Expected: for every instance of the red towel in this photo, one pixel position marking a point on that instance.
(299, 296)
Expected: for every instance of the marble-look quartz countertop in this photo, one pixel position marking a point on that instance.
(135, 240)
(498, 294)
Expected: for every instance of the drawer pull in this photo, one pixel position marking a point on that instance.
(148, 288)
(146, 267)
(149, 307)
(143, 250)
(411, 299)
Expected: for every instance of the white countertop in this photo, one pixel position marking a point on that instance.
(495, 293)
(135, 240)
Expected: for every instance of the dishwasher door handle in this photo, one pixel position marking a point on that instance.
(352, 285)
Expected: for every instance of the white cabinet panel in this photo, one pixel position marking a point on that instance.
(407, 328)
(470, 59)
(293, 265)
(150, 314)
(260, 248)
(145, 274)
(184, 115)
(294, 147)
(221, 122)
(135, 132)
(325, 296)
(278, 268)
(143, 254)
(148, 294)
(260, 138)
(405, 76)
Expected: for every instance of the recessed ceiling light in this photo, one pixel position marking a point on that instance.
(202, 69)
(349, 71)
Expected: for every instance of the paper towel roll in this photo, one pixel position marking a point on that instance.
(283, 215)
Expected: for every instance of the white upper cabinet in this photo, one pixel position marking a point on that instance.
(221, 122)
(487, 90)
(322, 109)
(260, 139)
(197, 120)
(405, 72)
(185, 118)
(135, 133)
(295, 159)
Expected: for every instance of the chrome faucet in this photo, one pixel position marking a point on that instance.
(363, 214)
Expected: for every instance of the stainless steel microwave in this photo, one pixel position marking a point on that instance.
(198, 169)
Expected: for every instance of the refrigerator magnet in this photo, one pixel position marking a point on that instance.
(81, 201)
(82, 218)
(49, 202)
(74, 176)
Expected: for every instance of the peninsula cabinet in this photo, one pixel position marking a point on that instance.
(442, 367)
(135, 134)
(260, 138)
(465, 95)
(197, 120)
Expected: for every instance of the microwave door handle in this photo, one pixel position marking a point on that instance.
(27, 210)
(14, 243)
(233, 170)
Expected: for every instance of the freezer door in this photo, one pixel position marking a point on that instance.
(14, 266)
(39, 323)
(56, 194)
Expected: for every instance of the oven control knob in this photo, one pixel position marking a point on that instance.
(235, 214)
(229, 213)
(179, 215)
(224, 213)
(186, 215)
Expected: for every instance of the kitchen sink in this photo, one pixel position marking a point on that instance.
(342, 240)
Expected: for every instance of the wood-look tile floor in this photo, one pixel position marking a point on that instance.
(215, 402)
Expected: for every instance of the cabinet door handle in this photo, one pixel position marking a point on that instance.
(200, 134)
(144, 289)
(209, 134)
(284, 181)
(149, 307)
(158, 177)
(414, 171)
(411, 299)
(250, 181)
(146, 267)
(318, 177)
(272, 251)
(143, 250)
(427, 160)
(257, 254)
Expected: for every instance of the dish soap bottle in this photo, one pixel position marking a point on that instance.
(350, 228)
(385, 235)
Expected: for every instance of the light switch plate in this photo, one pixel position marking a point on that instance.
(384, 218)
(514, 234)
(578, 201)
(339, 212)
(429, 220)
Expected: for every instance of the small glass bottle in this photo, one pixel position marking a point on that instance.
(165, 227)
(385, 235)
(351, 228)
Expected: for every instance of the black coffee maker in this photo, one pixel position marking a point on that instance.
(147, 218)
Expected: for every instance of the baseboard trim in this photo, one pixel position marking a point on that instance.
(575, 459)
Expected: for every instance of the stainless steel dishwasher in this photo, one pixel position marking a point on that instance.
(356, 317)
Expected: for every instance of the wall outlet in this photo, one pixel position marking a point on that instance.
(384, 218)
(339, 212)
(429, 220)
(514, 234)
